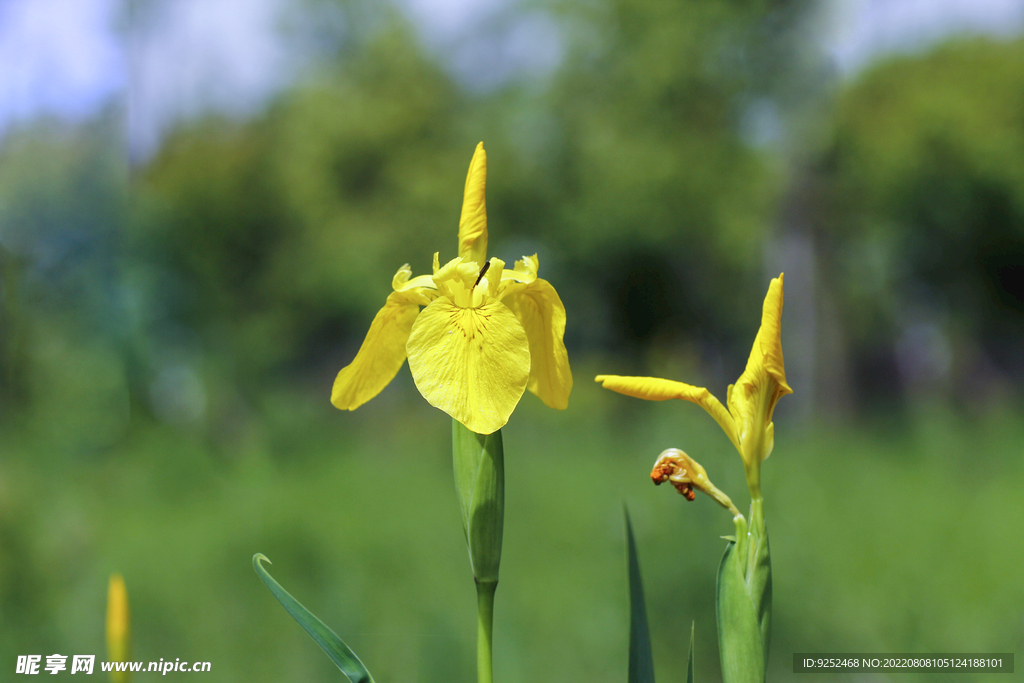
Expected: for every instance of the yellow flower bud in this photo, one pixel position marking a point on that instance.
(118, 627)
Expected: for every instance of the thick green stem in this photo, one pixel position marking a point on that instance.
(485, 622)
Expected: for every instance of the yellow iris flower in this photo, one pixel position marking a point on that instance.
(486, 335)
(751, 401)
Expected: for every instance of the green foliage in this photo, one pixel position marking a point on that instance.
(328, 640)
(920, 201)
(652, 157)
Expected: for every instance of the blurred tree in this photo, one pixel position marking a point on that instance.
(270, 243)
(653, 179)
(922, 219)
(62, 204)
(276, 238)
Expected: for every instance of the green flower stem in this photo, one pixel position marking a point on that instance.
(485, 622)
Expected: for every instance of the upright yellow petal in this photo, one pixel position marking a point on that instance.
(472, 363)
(655, 389)
(769, 337)
(525, 271)
(473, 222)
(542, 314)
(763, 382)
(380, 357)
(118, 626)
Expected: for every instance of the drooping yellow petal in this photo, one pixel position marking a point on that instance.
(380, 357)
(473, 222)
(472, 363)
(655, 389)
(540, 310)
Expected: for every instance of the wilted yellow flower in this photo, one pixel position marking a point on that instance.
(118, 627)
(486, 335)
(751, 401)
(686, 474)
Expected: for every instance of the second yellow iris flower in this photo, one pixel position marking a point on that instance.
(751, 401)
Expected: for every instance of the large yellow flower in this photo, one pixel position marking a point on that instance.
(748, 420)
(486, 335)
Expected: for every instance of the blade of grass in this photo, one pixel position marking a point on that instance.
(328, 640)
(689, 659)
(641, 660)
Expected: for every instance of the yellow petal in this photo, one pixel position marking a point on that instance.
(763, 382)
(381, 355)
(543, 317)
(654, 389)
(472, 363)
(769, 337)
(473, 222)
(455, 280)
(489, 279)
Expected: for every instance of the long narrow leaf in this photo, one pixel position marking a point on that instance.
(328, 640)
(641, 660)
(689, 659)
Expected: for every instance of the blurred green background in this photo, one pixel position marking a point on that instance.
(173, 310)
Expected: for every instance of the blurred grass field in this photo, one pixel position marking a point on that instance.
(883, 539)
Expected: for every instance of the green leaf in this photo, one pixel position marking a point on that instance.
(641, 660)
(739, 632)
(327, 639)
(479, 464)
(745, 601)
(689, 659)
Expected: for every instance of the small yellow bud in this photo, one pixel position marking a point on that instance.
(686, 474)
(118, 627)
